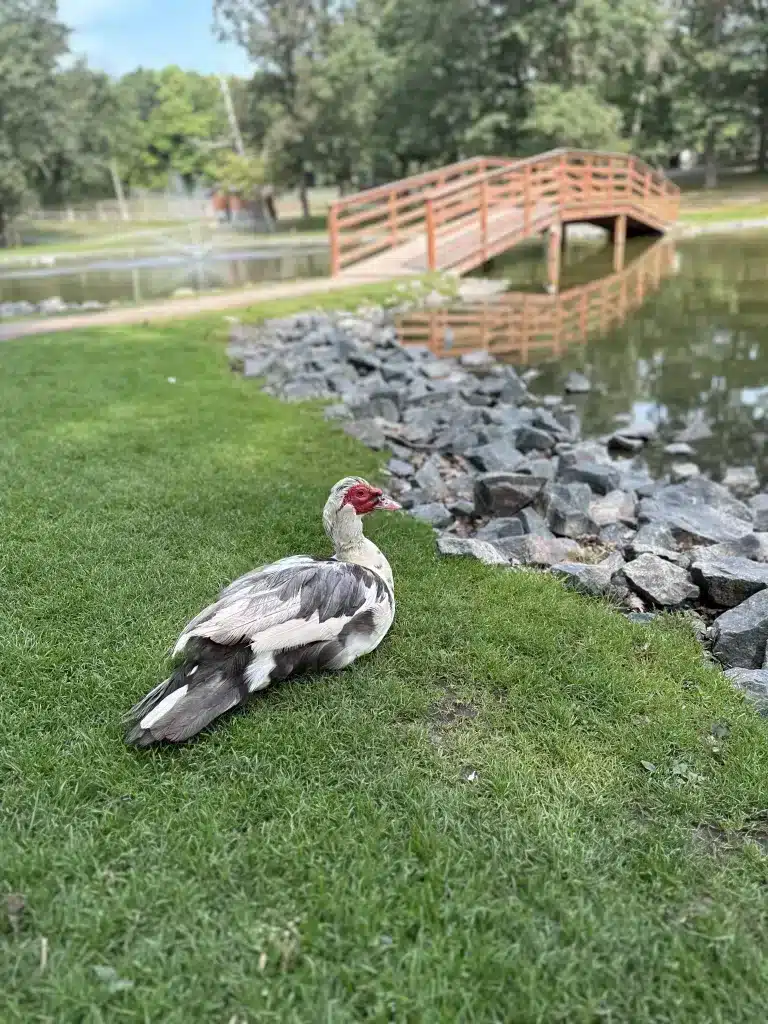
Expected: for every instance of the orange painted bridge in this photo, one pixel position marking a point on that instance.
(458, 217)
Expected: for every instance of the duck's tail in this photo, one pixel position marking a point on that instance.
(210, 681)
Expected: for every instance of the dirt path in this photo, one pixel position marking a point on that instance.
(170, 309)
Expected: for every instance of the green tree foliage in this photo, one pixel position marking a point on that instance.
(32, 121)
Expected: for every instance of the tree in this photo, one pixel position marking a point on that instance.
(575, 117)
(286, 39)
(32, 121)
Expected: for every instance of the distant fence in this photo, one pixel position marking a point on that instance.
(142, 209)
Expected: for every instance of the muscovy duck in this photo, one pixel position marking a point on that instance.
(301, 613)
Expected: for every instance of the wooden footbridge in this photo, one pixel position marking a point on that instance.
(460, 216)
(525, 326)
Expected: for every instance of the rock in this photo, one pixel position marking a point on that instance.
(49, 307)
(642, 430)
(447, 544)
(622, 443)
(696, 431)
(641, 618)
(728, 581)
(437, 370)
(592, 580)
(568, 511)
(534, 439)
(698, 512)
(398, 467)
(434, 513)
(533, 522)
(544, 551)
(541, 467)
(754, 685)
(496, 457)
(303, 387)
(429, 479)
(339, 411)
(681, 471)
(480, 361)
(679, 449)
(461, 508)
(371, 434)
(740, 633)
(506, 493)
(498, 529)
(742, 481)
(753, 546)
(576, 383)
(759, 506)
(657, 539)
(660, 582)
(614, 507)
(601, 477)
(618, 534)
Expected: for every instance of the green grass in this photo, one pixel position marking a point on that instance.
(725, 213)
(322, 857)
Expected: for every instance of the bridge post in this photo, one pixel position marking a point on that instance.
(554, 255)
(619, 241)
(333, 231)
(431, 240)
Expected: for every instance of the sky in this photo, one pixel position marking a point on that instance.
(119, 35)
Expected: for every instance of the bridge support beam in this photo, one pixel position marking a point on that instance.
(555, 238)
(619, 241)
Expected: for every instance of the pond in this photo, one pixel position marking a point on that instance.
(679, 339)
(108, 279)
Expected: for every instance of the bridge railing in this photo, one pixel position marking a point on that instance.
(524, 325)
(369, 222)
(561, 184)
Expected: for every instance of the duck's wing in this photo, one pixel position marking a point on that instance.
(287, 604)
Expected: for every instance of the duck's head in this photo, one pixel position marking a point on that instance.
(359, 496)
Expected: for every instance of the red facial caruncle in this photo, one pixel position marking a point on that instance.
(364, 498)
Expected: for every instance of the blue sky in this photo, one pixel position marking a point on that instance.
(119, 35)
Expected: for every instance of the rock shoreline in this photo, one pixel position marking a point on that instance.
(505, 477)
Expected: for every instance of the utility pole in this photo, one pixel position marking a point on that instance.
(233, 125)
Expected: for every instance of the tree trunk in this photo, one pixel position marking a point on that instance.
(710, 157)
(118, 187)
(762, 143)
(304, 198)
(3, 231)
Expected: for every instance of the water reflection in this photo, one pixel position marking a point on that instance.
(693, 357)
(527, 327)
(142, 278)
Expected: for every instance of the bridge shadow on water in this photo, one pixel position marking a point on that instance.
(527, 327)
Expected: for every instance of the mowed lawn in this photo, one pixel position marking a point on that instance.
(459, 828)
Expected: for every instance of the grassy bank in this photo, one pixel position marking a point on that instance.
(520, 808)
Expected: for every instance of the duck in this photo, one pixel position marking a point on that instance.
(295, 615)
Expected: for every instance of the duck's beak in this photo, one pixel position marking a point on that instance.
(387, 504)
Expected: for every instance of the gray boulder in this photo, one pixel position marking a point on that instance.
(429, 478)
(657, 539)
(680, 449)
(753, 546)
(497, 529)
(742, 480)
(740, 633)
(753, 683)
(399, 467)
(533, 522)
(601, 476)
(679, 472)
(660, 582)
(728, 581)
(531, 439)
(698, 511)
(614, 507)
(504, 494)
(543, 551)
(568, 511)
(577, 383)
(593, 580)
(434, 513)
(470, 547)
(759, 506)
(496, 457)
(620, 442)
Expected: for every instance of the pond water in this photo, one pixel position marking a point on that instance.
(142, 278)
(680, 339)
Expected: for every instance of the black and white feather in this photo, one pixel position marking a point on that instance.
(297, 614)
